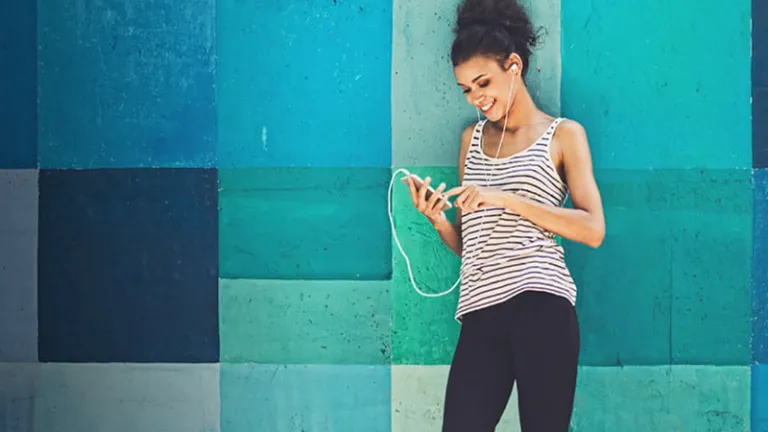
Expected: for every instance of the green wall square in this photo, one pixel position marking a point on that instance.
(304, 322)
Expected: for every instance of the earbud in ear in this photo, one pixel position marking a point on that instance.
(514, 67)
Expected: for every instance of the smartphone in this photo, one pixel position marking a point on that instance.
(418, 182)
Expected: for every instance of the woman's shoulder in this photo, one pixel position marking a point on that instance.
(466, 140)
(469, 131)
(570, 144)
(569, 132)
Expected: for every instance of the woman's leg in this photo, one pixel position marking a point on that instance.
(481, 377)
(546, 361)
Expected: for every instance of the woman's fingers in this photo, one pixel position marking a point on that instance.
(423, 189)
(458, 190)
(435, 198)
(474, 200)
(461, 201)
(469, 198)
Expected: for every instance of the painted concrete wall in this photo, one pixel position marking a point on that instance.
(151, 280)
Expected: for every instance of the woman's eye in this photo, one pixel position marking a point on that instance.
(483, 84)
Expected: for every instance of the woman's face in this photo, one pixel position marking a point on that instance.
(486, 85)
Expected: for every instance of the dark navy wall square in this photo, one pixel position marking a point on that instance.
(760, 126)
(128, 266)
(18, 85)
(760, 83)
(126, 84)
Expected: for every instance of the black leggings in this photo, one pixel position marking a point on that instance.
(531, 340)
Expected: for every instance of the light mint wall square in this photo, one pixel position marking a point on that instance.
(118, 397)
(543, 79)
(418, 394)
(429, 110)
(304, 322)
(662, 398)
(627, 399)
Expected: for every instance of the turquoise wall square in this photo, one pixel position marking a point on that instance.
(289, 398)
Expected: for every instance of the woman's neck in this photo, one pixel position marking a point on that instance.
(522, 112)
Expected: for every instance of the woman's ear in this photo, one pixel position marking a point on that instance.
(514, 63)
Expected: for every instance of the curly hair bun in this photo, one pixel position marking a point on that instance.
(496, 28)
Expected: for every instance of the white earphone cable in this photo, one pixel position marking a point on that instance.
(488, 183)
(400, 247)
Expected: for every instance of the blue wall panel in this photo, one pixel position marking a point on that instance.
(304, 83)
(760, 83)
(647, 95)
(760, 398)
(128, 266)
(126, 84)
(760, 268)
(18, 78)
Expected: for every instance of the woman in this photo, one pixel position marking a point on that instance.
(517, 299)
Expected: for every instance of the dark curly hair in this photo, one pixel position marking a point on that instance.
(493, 28)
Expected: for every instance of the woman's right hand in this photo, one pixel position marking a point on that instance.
(432, 209)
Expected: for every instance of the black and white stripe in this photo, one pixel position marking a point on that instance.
(504, 254)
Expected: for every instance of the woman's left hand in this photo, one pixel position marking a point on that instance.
(471, 198)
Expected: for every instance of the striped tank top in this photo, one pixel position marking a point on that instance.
(504, 254)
